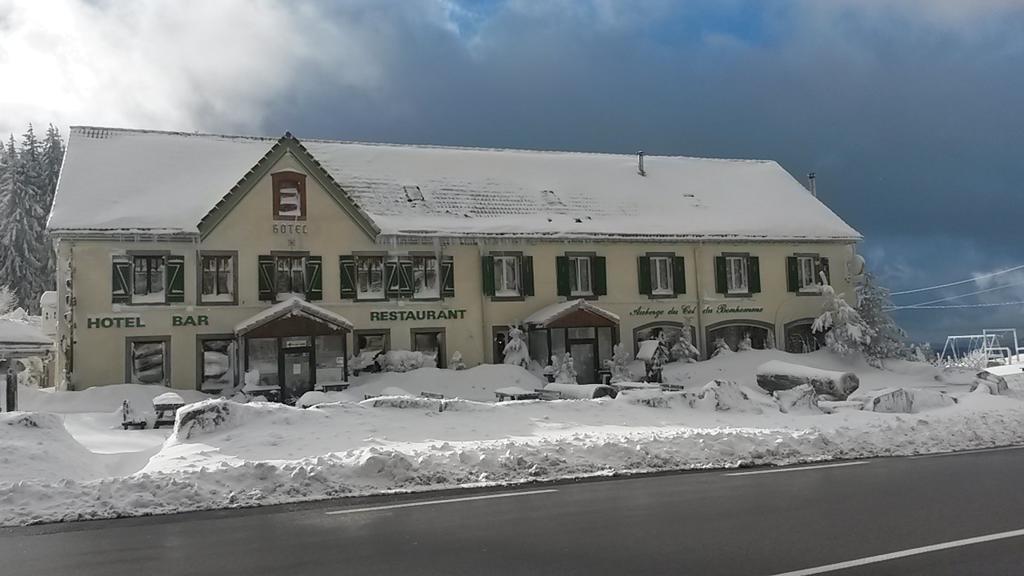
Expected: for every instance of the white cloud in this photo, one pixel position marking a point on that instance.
(171, 64)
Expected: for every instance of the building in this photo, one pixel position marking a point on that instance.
(186, 259)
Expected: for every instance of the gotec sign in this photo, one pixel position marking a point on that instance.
(136, 321)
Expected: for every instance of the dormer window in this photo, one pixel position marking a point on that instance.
(289, 196)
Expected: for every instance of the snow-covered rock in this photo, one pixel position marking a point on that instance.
(777, 375)
(904, 400)
(37, 447)
(802, 398)
(725, 395)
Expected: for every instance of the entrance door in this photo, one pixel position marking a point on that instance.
(584, 361)
(296, 376)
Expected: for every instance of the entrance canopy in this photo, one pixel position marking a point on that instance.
(293, 317)
(570, 314)
(20, 339)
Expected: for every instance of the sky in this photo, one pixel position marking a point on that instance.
(909, 111)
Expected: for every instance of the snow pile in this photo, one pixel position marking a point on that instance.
(725, 395)
(36, 447)
(477, 383)
(98, 398)
(904, 400)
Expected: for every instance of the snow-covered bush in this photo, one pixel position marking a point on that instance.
(406, 360)
(721, 348)
(745, 344)
(845, 331)
(516, 351)
(456, 362)
(619, 363)
(683, 349)
(566, 369)
(8, 300)
(769, 342)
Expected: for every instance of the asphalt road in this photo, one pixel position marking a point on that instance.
(771, 521)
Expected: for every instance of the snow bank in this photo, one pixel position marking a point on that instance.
(36, 447)
(477, 383)
(98, 398)
(725, 395)
(905, 400)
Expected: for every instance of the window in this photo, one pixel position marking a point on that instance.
(807, 273)
(736, 275)
(148, 282)
(217, 363)
(290, 279)
(661, 275)
(424, 276)
(506, 276)
(372, 341)
(579, 276)
(261, 358)
(289, 196)
(218, 278)
(148, 361)
(330, 359)
(370, 277)
(430, 341)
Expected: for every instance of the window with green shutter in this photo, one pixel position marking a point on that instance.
(678, 275)
(347, 270)
(562, 275)
(527, 283)
(754, 274)
(265, 278)
(448, 277)
(487, 274)
(314, 278)
(721, 276)
(175, 279)
(121, 280)
(599, 267)
(643, 274)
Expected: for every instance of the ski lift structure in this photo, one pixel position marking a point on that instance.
(1000, 346)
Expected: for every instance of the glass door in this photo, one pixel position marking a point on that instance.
(296, 376)
(583, 359)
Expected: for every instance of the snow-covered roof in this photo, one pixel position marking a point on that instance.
(292, 307)
(552, 312)
(115, 179)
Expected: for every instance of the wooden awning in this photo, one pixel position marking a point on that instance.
(293, 317)
(572, 314)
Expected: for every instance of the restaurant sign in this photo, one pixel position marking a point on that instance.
(661, 311)
(411, 315)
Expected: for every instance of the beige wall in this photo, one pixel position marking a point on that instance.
(99, 353)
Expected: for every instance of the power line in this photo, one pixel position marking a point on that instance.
(969, 280)
(958, 296)
(944, 307)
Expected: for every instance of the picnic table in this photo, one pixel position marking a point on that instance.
(515, 393)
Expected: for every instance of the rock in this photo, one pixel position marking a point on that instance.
(776, 375)
(726, 395)
(996, 384)
(833, 406)
(799, 399)
(904, 400)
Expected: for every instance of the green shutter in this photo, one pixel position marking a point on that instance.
(392, 283)
(121, 280)
(562, 275)
(405, 283)
(792, 274)
(265, 267)
(823, 267)
(487, 274)
(314, 278)
(347, 267)
(527, 275)
(754, 274)
(175, 279)
(448, 278)
(643, 274)
(599, 264)
(678, 275)
(721, 284)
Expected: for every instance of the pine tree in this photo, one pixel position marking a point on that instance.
(888, 340)
(22, 227)
(51, 161)
(845, 331)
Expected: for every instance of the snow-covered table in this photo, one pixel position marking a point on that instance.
(515, 393)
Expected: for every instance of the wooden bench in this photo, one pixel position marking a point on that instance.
(548, 394)
(524, 395)
(432, 395)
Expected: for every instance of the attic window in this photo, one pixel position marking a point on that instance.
(413, 193)
(551, 199)
(289, 195)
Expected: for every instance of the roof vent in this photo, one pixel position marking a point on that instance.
(810, 184)
(640, 163)
(413, 193)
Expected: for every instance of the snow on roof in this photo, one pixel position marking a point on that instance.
(116, 179)
(48, 297)
(552, 312)
(292, 307)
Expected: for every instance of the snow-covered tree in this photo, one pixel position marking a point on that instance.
(8, 300)
(683, 348)
(769, 342)
(619, 364)
(516, 351)
(22, 228)
(888, 339)
(845, 331)
(745, 344)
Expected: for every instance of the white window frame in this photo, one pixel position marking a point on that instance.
(367, 294)
(577, 266)
(158, 296)
(217, 296)
(422, 268)
(661, 276)
(503, 288)
(737, 275)
(807, 280)
(280, 295)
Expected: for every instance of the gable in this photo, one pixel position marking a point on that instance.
(288, 155)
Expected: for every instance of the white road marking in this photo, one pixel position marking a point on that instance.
(797, 469)
(446, 501)
(962, 452)
(903, 554)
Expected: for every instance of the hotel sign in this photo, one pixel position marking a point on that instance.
(412, 315)
(657, 313)
(136, 321)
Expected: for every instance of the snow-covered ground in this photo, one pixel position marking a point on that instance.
(67, 458)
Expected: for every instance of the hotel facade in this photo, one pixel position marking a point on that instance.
(190, 259)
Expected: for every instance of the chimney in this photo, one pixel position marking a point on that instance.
(640, 163)
(810, 184)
